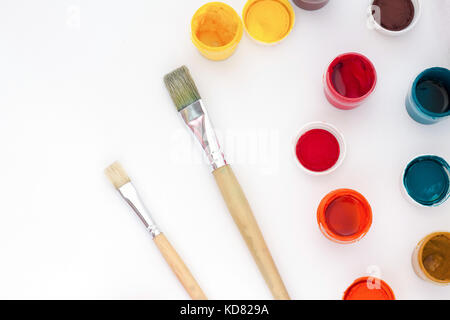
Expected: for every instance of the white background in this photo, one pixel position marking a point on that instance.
(81, 86)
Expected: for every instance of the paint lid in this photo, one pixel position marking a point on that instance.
(268, 21)
(369, 288)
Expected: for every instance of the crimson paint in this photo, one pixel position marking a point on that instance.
(317, 150)
(349, 80)
(352, 77)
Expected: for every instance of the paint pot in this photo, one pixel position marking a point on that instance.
(431, 258)
(349, 80)
(369, 288)
(428, 100)
(216, 30)
(394, 17)
(268, 21)
(344, 216)
(426, 181)
(311, 4)
(319, 148)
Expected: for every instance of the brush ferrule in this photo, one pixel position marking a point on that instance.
(129, 193)
(197, 120)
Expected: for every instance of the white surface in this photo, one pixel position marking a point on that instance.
(81, 86)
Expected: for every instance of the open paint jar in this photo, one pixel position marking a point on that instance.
(431, 258)
(311, 4)
(428, 100)
(268, 21)
(369, 288)
(349, 80)
(216, 30)
(344, 216)
(319, 148)
(394, 17)
(426, 181)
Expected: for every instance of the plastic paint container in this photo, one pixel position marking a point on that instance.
(216, 30)
(428, 100)
(431, 258)
(268, 21)
(369, 288)
(311, 4)
(344, 216)
(394, 17)
(426, 181)
(349, 80)
(319, 148)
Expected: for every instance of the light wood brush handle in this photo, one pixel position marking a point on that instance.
(243, 216)
(179, 268)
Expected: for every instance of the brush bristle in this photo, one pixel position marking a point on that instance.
(117, 175)
(181, 87)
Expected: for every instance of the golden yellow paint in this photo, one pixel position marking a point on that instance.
(268, 21)
(216, 30)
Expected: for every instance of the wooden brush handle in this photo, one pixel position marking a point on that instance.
(242, 214)
(179, 268)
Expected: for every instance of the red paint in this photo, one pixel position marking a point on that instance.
(369, 289)
(349, 80)
(352, 77)
(344, 216)
(317, 150)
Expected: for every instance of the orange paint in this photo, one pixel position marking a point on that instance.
(344, 216)
(369, 289)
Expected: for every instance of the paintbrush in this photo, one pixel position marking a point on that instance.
(189, 105)
(119, 178)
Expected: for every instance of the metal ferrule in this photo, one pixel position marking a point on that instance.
(197, 120)
(129, 193)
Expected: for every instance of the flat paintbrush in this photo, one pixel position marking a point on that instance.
(189, 105)
(119, 178)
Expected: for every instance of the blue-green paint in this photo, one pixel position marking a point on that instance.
(428, 100)
(426, 180)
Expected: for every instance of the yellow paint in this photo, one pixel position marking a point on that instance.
(268, 21)
(216, 30)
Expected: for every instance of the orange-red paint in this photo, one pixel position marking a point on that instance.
(369, 289)
(344, 216)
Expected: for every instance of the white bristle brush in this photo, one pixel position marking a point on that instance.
(119, 178)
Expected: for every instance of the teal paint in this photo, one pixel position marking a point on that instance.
(428, 101)
(433, 96)
(427, 180)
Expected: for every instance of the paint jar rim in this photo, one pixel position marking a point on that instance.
(288, 8)
(333, 90)
(315, 1)
(329, 128)
(237, 37)
(320, 3)
(384, 286)
(417, 14)
(414, 94)
(405, 192)
(321, 219)
(421, 246)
